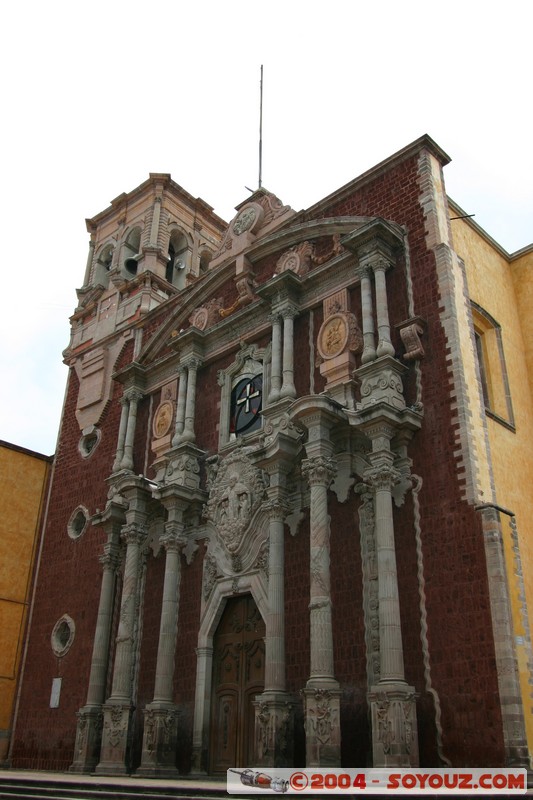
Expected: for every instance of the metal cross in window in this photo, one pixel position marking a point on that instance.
(249, 396)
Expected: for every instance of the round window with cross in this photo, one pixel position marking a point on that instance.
(246, 404)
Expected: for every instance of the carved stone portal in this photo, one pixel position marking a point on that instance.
(236, 495)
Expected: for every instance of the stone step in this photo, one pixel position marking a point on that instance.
(60, 786)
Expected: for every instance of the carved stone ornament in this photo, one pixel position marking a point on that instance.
(236, 495)
(410, 336)
(163, 419)
(338, 333)
(298, 259)
(245, 220)
(207, 315)
(333, 336)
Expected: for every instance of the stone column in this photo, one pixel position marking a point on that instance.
(154, 228)
(369, 344)
(161, 715)
(121, 433)
(382, 479)
(392, 701)
(200, 735)
(89, 726)
(127, 460)
(288, 389)
(118, 709)
(322, 695)
(385, 347)
(274, 719)
(188, 434)
(90, 256)
(180, 407)
(275, 374)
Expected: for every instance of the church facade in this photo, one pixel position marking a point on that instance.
(279, 532)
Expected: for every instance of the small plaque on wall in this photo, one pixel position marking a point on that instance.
(55, 693)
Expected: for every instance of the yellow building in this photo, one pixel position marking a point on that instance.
(23, 482)
(500, 291)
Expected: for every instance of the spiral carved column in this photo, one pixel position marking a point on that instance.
(274, 719)
(322, 695)
(118, 709)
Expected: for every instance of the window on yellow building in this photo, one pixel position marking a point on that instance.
(492, 369)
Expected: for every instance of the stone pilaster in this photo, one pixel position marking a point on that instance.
(188, 434)
(121, 433)
(369, 343)
(322, 695)
(276, 373)
(274, 718)
(90, 717)
(119, 707)
(385, 347)
(133, 396)
(288, 389)
(180, 406)
(392, 701)
(88, 265)
(161, 715)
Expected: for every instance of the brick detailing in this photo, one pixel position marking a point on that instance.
(514, 735)
(456, 320)
(523, 640)
(417, 485)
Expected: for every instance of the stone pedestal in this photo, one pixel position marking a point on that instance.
(88, 739)
(114, 753)
(394, 726)
(322, 726)
(159, 741)
(274, 729)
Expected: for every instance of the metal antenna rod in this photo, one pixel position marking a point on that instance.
(261, 127)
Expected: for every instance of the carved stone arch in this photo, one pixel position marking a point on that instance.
(179, 249)
(250, 360)
(211, 615)
(103, 263)
(130, 249)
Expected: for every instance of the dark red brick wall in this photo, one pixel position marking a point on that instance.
(458, 615)
(68, 583)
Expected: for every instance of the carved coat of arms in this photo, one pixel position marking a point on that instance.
(235, 496)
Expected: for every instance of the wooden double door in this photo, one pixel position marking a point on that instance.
(238, 676)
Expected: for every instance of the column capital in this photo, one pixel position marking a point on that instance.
(194, 362)
(319, 470)
(289, 312)
(276, 508)
(109, 558)
(378, 264)
(133, 533)
(172, 540)
(383, 476)
(132, 395)
(274, 317)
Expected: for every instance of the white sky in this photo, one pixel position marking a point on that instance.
(97, 95)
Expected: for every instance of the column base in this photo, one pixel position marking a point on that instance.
(322, 724)
(159, 741)
(114, 753)
(274, 730)
(394, 725)
(88, 739)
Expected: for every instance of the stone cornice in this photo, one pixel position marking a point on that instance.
(156, 179)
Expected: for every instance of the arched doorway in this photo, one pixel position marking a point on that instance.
(238, 676)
